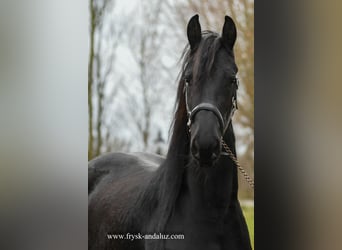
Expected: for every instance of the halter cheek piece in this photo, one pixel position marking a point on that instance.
(210, 107)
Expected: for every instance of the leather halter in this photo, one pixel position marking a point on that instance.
(209, 107)
(212, 108)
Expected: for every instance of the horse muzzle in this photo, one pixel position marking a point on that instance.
(205, 139)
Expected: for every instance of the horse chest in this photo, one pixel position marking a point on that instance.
(215, 230)
(202, 229)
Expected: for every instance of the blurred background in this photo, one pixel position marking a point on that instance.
(134, 61)
(44, 54)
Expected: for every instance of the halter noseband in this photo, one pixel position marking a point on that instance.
(209, 107)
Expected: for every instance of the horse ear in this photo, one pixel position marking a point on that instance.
(194, 32)
(229, 33)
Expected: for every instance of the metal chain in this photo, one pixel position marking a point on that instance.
(232, 156)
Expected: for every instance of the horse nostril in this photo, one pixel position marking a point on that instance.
(216, 149)
(214, 156)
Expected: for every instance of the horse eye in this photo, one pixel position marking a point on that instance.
(188, 80)
(235, 81)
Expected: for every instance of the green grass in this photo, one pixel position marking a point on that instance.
(249, 215)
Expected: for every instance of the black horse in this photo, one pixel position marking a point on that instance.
(193, 191)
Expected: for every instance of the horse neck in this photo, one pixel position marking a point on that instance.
(217, 186)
